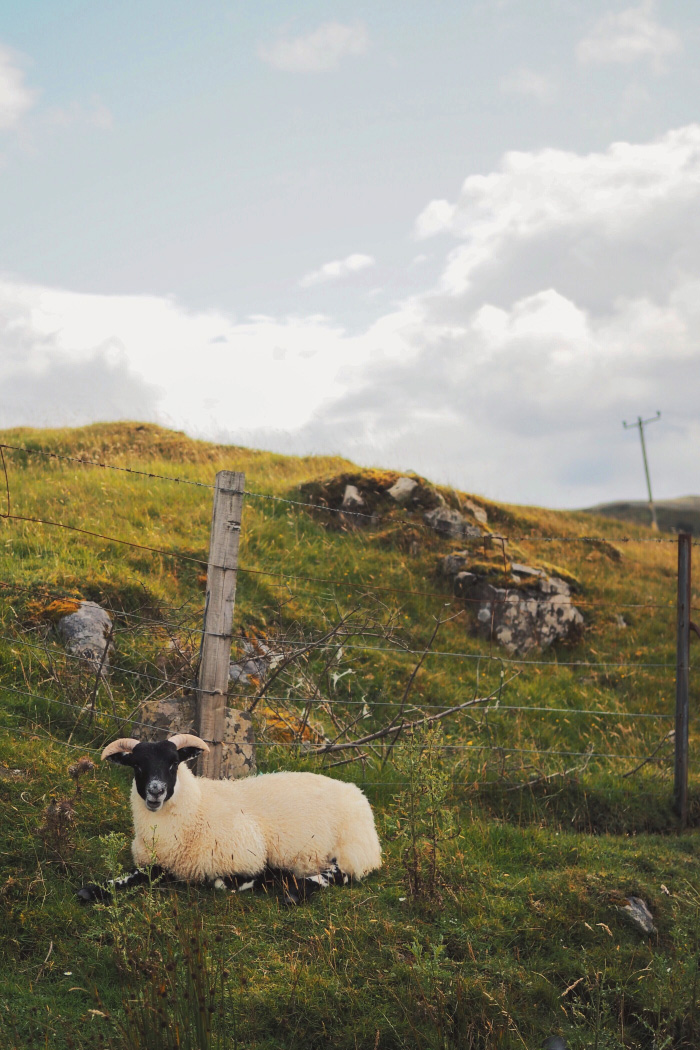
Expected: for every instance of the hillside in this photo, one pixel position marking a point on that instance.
(672, 515)
(513, 835)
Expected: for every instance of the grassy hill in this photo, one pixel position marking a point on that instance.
(672, 515)
(513, 837)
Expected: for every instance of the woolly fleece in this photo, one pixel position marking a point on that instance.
(299, 822)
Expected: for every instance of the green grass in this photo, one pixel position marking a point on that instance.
(522, 936)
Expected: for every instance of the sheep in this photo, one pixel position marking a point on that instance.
(237, 834)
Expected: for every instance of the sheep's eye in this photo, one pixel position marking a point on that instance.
(173, 765)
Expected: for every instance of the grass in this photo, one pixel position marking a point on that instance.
(522, 934)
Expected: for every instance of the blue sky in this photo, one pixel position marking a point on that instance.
(449, 237)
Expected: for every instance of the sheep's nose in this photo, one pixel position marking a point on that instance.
(156, 790)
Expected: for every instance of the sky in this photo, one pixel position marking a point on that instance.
(457, 238)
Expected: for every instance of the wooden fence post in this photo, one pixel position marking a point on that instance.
(212, 684)
(682, 678)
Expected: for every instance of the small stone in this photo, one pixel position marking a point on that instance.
(402, 490)
(448, 522)
(454, 563)
(477, 512)
(620, 621)
(352, 499)
(85, 632)
(639, 915)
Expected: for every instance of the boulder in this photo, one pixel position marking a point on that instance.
(85, 632)
(164, 718)
(258, 659)
(639, 915)
(402, 490)
(477, 512)
(352, 498)
(537, 613)
(450, 523)
(454, 563)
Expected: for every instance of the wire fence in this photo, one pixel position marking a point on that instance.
(419, 685)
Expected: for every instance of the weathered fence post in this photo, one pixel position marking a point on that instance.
(682, 672)
(212, 684)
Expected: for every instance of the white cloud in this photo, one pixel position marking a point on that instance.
(572, 302)
(529, 83)
(337, 269)
(629, 36)
(15, 97)
(317, 52)
(620, 194)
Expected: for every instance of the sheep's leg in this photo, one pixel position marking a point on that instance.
(297, 889)
(137, 877)
(239, 883)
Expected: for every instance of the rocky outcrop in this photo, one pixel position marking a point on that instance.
(523, 610)
(85, 632)
(451, 523)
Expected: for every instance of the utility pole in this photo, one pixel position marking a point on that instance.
(641, 423)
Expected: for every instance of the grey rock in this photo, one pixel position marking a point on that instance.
(258, 660)
(525, 570)
(85, 632)
(620, 621)
(477, 512)
(402, 490)
(164, 718)
(454, 563)
(554, 1042)
(639, 915)
(450, 523)
(535, 615)
(352, 498)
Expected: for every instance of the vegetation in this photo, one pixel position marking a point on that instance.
(497, 919)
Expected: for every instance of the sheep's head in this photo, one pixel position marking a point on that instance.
(155, 765)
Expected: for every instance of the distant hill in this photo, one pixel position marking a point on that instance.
(673, 515)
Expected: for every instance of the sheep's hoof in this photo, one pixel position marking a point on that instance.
(91, 893)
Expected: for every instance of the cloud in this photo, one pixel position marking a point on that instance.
(529, 83)
(629, 36)
(568, 301)
(337, 269)
(626, 195)
(15, 97)
(317, 52)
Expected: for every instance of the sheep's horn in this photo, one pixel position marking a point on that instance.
(188, 740)
(123, 744)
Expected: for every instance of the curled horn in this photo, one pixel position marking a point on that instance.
(188, 740)
(123, 744)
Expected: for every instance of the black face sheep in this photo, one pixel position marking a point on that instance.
(233, 833)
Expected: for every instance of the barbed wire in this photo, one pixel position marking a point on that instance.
(326, 581)
(105, 466)
(337, 510)
(488, 536)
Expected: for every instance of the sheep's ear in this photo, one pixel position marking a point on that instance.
(184, 754)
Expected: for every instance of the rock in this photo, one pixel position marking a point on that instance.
(450, 523)
(639, 915)
(164, 718)
(477, 512)
(85, 632)
(535, 615)
(525, 570)
(554, 1042)
(454, 563)
(402, 490)
(352, 499)
(464, 582)
(260, 659)
(620, 621)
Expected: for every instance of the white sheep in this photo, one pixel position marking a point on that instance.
(233, 833)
